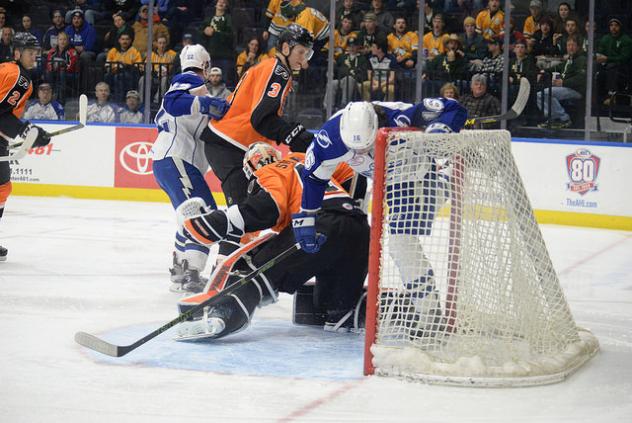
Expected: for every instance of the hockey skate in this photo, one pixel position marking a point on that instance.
(211, 325)
(193, 282)
(3, 253)
(177, 271)
(342, 321)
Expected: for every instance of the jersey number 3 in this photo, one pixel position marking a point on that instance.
(275, 88)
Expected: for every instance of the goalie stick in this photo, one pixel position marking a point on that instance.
(104, 347)
(516, 109)
(22, 147)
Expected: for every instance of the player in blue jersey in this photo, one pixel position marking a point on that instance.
(178, 153)
(349, 136)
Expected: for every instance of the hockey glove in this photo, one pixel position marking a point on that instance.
(205, 226)
(296, 135)
(301, 142)
(214, 107)
(304, 225)
(43, 137)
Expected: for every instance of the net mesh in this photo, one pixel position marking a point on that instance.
(467, 291)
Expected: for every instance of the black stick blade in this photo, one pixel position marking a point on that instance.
(99, 345)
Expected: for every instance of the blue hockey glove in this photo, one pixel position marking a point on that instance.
(214, 107)
(304, 225)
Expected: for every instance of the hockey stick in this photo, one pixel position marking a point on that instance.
(83, 117)
(99, 345)
(27, 143)
(516, 109)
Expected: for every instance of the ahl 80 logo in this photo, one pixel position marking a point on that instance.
(136, 158)
(583, 169)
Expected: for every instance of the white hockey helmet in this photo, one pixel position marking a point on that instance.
(438, 128)
(358, 126)
(258, 155)
(195, 56)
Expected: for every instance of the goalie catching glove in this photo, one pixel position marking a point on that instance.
(206, 226)
(304, 226)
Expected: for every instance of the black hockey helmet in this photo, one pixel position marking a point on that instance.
(24, 40)
(295, 34)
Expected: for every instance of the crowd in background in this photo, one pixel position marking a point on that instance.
(100, 47)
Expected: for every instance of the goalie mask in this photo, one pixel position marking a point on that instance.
(358, 126)
(195, 56)
(258, 155)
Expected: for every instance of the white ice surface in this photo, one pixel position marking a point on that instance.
(100, 266)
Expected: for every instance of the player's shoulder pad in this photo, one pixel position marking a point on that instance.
(185, 81)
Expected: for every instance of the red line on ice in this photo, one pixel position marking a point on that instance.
(320, 401)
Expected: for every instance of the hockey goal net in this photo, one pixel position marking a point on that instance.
(461, 287)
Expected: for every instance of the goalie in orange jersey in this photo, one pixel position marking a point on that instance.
(15, 90)
(274, 194)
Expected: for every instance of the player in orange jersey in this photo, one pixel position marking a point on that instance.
(15, 90)
(255, 113)
(274, 194)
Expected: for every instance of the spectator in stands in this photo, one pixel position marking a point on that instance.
(162, 6)
(88, 11)
(62, 66)
(102, 110)
(532, 23)
(215, 85)
(141, 30)
(181, 13)
(449, 90)
(312, 20)
(128, 9)
(541, 44)
(6, 45)
(490, 21)
(217, 37)
(50, 36)
(522, 64)
(474, 46)
(131, 112)
(250, 56)
(274, 24)
(434, 41)
(45, 108)
(614, 55)
(448, 66)
(349, 9)
(119, 26)
(370, 32)
(341, 36)
(514, 34)
(563, 13)
(571, 30)
(122, 67)
(569, 84)
(403, 44)
(429, 12)
(384, 19)
(27, 26)
(164, 64)
(455, 6)
(479, 102)
(3, 19)
(349, 73)
(492, 66)
(82, 37)
(380, 84)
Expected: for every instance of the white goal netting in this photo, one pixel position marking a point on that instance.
(466, 291)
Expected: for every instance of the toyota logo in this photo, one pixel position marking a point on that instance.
(135, 158)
